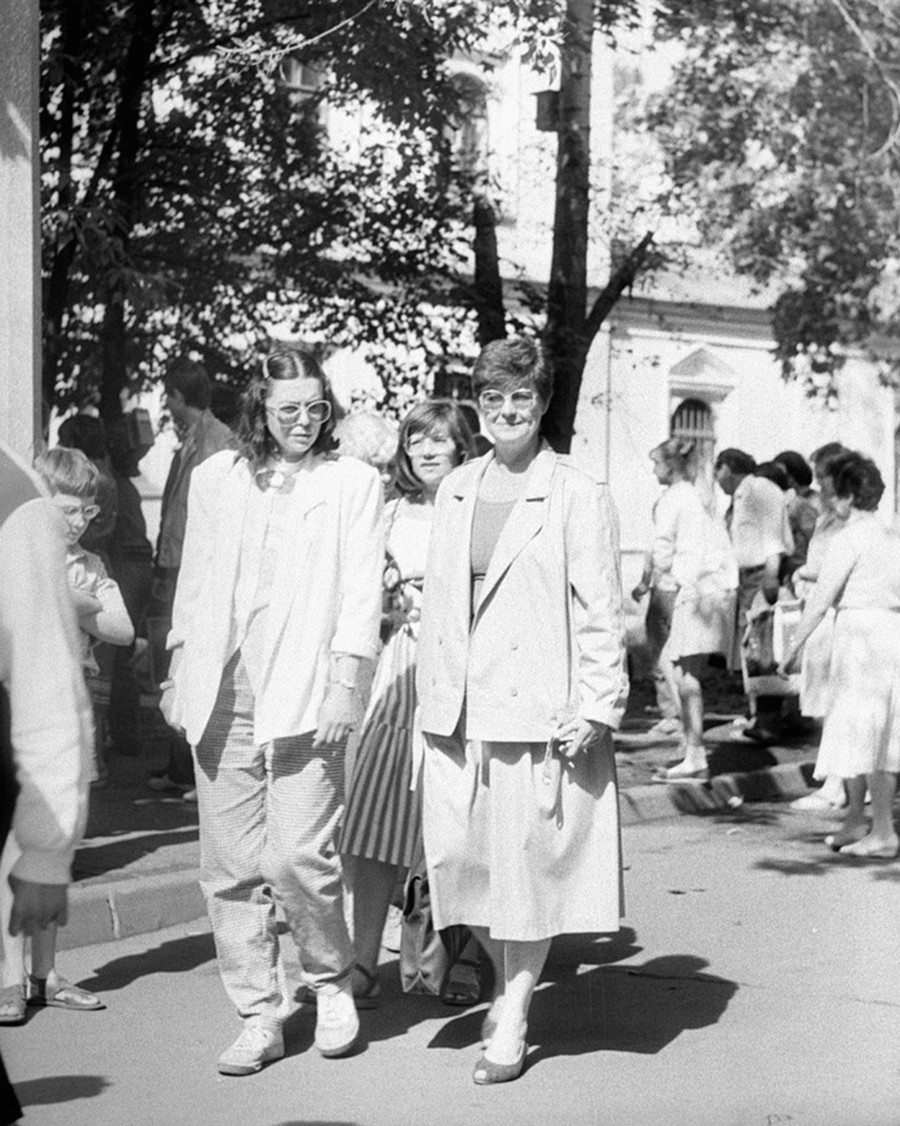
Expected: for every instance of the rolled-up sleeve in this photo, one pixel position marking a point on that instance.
(51, 727)
(362, 563)
(591, 533)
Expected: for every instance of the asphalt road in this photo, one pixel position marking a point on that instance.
(754, 982)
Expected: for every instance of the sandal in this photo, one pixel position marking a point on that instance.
(61, 994)
(12, 1004)
(464, 989)
(366, 996)
(369, 995)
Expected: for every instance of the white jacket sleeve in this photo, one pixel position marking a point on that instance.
(52, 727)
(598, 621)
(362, 563)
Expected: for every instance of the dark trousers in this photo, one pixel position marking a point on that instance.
(135, 579)
(180, 767)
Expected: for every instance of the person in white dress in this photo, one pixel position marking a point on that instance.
(692, 552)
(860, 578)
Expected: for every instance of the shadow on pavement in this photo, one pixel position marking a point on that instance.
(173, 957)
(122, 851)
(60, 1089)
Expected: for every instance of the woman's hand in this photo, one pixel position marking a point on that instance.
(640, 590)
(576, 735)
(86, 605)
(167, 705)
(337, 716)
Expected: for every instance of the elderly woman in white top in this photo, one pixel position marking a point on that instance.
(860, 578)
(520, 654)
(692, 552)
(278, 601)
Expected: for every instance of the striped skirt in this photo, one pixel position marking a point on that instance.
(383, 816)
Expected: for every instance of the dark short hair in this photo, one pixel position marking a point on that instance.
(858, 478)
(509, 364)
(84, 432)
(735, 460)
(255, 441)
(189, 378)
(821, 458)
(775, 472)
(70, 471)
(426, 418)
(797, 467)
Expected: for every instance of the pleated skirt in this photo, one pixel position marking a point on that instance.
(861, 733)
(497, 859)
(383, 815)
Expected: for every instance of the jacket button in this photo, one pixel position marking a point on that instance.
(514, 692)
(514, 645)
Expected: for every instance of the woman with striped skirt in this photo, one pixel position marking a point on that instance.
(383, 820)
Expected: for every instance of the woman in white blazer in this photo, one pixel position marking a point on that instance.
(278, 600)
(520, 652)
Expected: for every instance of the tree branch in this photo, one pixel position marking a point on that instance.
(622, 279)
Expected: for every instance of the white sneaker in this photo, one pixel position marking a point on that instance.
(256, 1045)
(337, 1023)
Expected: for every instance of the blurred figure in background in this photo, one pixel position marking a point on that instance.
(188, 393)
(131, 559)
(860, 579)
(692, 556)
(757, 522)
(370, 437)
(45, 726)
(87, 433)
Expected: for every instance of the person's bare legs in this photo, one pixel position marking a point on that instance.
(373, 886)
(43, 952)
(882, 839)
(855, 825)
(518, 966)
(13, 946)
(690, 696)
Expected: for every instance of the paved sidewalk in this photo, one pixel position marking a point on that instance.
(137, 870)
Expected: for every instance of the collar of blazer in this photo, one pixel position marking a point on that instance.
(525, 520)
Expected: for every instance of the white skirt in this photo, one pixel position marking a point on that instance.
(861, 734)
(495, 860)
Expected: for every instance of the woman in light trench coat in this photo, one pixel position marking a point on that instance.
(521, 647)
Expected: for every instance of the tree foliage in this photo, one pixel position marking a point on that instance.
(190, 200)
(781, 130)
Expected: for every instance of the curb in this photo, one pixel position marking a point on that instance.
(107, 910)
(104, 912)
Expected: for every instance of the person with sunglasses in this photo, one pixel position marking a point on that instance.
(521, 678)
(278, 601)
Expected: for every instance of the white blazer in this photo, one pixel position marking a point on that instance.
(549, 628)
(326, 595)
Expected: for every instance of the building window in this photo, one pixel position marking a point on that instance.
(694, 419)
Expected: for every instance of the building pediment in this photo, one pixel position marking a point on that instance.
(701, 375)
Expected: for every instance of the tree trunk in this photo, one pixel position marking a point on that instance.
(488, 283)
(133, 78)
(565, 336)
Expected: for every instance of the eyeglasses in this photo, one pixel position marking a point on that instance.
(318, 411)
(416, 443)
(492, 402)
(73, 511)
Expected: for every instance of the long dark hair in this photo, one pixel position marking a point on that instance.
(255, 441)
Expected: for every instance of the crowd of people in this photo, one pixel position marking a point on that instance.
(438, 629)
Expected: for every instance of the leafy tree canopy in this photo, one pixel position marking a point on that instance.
(781, 131)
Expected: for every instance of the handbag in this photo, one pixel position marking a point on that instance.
(767, 638)
(424, 960)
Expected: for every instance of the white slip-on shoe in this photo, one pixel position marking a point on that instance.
(337, 1023)
(256, 1046)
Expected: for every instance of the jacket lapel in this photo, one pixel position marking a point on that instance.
(524, 523)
